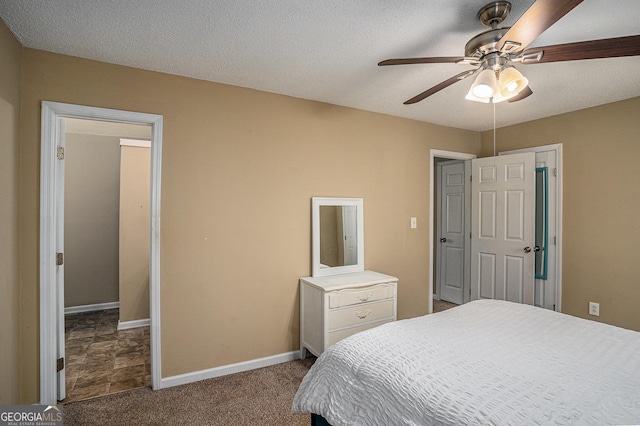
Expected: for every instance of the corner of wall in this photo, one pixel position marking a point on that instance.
(10, 291)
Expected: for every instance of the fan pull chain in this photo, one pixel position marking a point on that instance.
(494, 133)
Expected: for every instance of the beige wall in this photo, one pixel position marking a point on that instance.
(91, 219)
(10, 52)
(235, 162)
(135, 169)
(601, 186)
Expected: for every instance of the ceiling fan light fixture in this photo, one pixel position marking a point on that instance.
(495, 50)
(484, 86)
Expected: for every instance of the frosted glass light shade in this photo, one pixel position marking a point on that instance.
(512, 81)
(485, 84)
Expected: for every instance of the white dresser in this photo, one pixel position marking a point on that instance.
(337, 306)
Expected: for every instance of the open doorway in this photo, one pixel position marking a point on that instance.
(52, 172)
(436, 246)
(106, 257)
(452, 243)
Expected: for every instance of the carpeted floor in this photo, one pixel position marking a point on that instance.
(441, 305)
(256, 397)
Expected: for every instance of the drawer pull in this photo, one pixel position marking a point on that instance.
(365, 297)
(362, 314)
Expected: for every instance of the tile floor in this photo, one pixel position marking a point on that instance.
(100, 359)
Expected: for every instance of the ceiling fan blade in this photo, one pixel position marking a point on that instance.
(434, 60)
(520, 96)
(593, 49)
(540, 16)
(440, 86)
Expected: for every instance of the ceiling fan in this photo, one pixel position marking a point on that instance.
(493, 52)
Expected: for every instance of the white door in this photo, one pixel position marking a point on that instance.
(59, 237)
(547, 290)
(350, 239)
(502, 245)
(450, 274)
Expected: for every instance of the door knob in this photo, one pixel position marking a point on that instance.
(443, 240)
(536, 249)
(527, 249)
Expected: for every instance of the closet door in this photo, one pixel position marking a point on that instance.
(452, 236)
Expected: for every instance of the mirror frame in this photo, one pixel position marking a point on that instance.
(316, 202)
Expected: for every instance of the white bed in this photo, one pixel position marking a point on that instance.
(486, 362)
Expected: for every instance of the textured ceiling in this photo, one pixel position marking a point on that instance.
(328, 50)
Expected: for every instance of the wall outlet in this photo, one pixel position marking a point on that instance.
(594, 309)
(414, 223)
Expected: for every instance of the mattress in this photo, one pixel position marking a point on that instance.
(483, 363)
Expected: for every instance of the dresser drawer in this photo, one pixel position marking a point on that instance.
(359, 314)
(354, 296)
(336, 336)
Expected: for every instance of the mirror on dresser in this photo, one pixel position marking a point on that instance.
(337, 236)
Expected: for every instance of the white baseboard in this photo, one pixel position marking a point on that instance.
(123, 325)
(91, 308)
(183, 379)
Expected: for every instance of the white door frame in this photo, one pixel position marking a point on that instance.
(52, 115)
(433, 154)
(558, 209)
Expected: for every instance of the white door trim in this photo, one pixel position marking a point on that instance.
(558, 201)
(52, 114)
(433, 154)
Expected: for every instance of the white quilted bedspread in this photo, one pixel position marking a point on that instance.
(484, 363)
